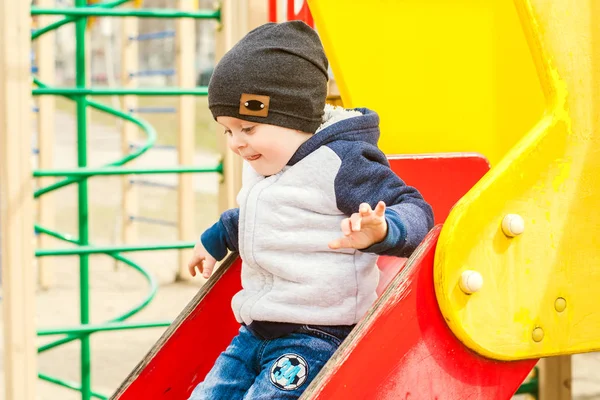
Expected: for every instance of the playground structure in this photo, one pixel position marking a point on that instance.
(535, 179)
(45, 69)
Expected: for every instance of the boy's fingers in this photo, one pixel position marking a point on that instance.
(340, 243)
(196, 261)
(355, 222)
(364, 209)
(345, 225)
(209, 265)
(380, 209)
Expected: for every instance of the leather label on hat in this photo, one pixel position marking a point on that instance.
(254, 104)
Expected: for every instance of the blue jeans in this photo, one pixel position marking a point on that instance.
(282, 368)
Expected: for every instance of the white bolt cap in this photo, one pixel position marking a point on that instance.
(470, 281)
(513, 225)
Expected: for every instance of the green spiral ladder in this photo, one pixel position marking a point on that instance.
(79, 176)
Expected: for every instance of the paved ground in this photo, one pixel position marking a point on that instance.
(115, 290)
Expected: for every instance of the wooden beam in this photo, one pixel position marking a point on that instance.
(555, 378)
(129, 63)
(258, 13)
(16, 202)
(45, 57)
(186, 113)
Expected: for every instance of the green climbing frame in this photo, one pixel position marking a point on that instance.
(78, 15)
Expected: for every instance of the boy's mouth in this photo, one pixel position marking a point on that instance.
(252, 158)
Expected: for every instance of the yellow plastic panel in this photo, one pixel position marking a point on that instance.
(444, 75)
(540, 289)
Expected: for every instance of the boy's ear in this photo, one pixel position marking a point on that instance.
(254, 104)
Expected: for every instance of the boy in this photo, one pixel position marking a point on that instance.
(310, 171)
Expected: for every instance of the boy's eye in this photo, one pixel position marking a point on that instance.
(248, 129)
(227, 132)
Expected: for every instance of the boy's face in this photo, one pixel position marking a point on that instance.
(267, 148)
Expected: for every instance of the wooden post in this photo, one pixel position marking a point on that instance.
(258, 13)
(282, 11)
(129, 63)
(186, 77)
(555, 378)
(45, 126)
(16, 202)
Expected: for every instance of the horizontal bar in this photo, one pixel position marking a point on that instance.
(153, 35)
(69, 385)
(155, 147)
(102, 328)
(125, 171)
(155, 221)
(153, 72)
(140, 13)
(55, 25)
(153, 110)
(114, 249)
(199, 91)
(151, 184)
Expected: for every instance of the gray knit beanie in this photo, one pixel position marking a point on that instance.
(276, 74)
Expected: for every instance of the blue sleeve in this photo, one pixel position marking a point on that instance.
(366, 177)
(223, 235)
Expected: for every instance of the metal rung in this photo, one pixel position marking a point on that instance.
(152, 220)
(34, 69)
(153, 110)
(153, 72)
(35, 150)
(151, 183)
(153, 35)
(35, 109)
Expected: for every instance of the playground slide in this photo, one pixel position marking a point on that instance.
(402, 349)
(452, 86)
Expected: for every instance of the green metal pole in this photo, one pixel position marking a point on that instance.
(84, 296)
(55, 25)
(108, 171)
(143, 13)
(103, 328)
(199, 91)
(113, 249)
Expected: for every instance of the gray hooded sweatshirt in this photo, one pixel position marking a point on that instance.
(285, 221)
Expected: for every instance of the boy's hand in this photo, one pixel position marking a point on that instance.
(362, 229)
(203, 260)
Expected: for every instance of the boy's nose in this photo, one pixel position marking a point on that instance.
(237, 141)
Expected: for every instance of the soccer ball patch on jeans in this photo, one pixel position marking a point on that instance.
(289, 372)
